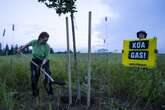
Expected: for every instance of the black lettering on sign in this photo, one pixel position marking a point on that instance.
(137, 64)
(139, 55)
(141, 44)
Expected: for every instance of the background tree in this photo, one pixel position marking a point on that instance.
(0, 49)
(11, 50)
(51, 51)
(6, 49)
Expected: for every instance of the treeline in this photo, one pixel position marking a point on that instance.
(11, 50)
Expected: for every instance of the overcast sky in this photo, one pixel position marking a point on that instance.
(124, 19)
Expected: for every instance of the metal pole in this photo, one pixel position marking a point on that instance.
(89, 60)
(69, 64)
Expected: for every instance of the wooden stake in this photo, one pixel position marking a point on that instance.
(89, 60)
(69, 64)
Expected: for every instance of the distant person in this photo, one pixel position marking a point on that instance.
(40, 52)
(141, 35)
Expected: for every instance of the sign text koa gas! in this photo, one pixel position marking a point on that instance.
(139, 53)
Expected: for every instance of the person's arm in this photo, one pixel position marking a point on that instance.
(46, 56)
(25, 46)
(19, 50)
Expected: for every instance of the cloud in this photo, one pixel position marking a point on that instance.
(125, 18)
(32, 17)
(99, 12)
(133, 16)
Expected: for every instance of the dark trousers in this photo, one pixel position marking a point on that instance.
(35, 73)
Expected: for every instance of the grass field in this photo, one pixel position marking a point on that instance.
(118, 87)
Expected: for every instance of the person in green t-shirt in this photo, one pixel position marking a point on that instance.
(40, 52)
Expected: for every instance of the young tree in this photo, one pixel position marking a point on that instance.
(6, 49)
(63, 7)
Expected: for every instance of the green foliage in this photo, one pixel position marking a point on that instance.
(61, 6)
(138, 87)
(5, 96)
(15, 71)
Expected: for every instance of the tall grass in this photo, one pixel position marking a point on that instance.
(137, 87)
(5, 97)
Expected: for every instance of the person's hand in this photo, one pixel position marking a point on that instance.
(42, 66)
(43, 63)
(18, 50)
(156, 50)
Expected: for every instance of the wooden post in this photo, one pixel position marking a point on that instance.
(89, 60)
(106, 42)
(69, 64)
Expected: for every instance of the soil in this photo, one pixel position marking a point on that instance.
(25, 101)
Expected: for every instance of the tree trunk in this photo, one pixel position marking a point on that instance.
(75, 60)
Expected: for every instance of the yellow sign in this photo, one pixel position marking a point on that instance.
(140, 53)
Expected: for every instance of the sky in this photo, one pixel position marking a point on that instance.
(124, 19)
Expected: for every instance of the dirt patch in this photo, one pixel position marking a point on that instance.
(82, 101)
(24, 101)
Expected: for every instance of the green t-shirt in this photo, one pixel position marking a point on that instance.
(40, 51)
